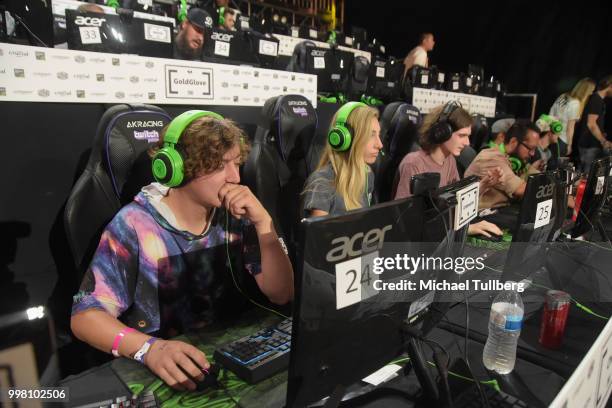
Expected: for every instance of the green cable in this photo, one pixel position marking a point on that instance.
(229, 261)
(578, 304)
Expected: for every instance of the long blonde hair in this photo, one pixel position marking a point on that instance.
(581, 91)
(350, 168)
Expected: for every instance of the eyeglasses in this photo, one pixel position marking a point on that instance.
(529, 148)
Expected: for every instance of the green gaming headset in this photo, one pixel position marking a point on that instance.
(167, 163)
(555, 125)
(182, 11)
(221, 11)
(516, 164)
(340, 136)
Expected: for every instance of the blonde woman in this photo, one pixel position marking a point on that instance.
(343, 180)
(568, 109)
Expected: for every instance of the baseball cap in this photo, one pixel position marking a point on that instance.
(502, 125)
(200, 18)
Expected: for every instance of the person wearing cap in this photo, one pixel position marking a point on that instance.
(548, 146)
(192, 34)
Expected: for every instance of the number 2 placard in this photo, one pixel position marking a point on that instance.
(355, 280)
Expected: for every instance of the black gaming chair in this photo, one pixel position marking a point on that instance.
(465, 158)
(357, 81)
(118, 167)
(400, 138)
(299, 58)
(281, 160)
(480, 132)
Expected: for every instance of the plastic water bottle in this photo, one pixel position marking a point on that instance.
(505, 324)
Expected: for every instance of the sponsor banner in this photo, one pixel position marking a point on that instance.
(34, 74)
(287, 44)
(428, 99)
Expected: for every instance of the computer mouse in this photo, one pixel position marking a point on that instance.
(210, 380)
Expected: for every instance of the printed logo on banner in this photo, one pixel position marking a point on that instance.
(266, 87)
(23, 92)
(100, 77)
(117, 78)
(119, 95)
(149, 64)
(293, 77)
(138, 95)
(151, 80)
(41, 74)
(276, 88)
(19, 73)
(236, 72)
(3, 71)
(224, 85)
(309, 79)
(79, 59)
(151, 96)
(301, 90)
(62, 93)
(134, 79)
(60, 57)
(245, 86)
(98, 94)
(256, 74)
(40, 56)
(1, 52)
(97, 60)
(284, 89)
(116, 62)
(256, 99)
(19, 53)
(189, 82)
(2, 91)
(132, 62)
(235, 99)
(81, 76)
(43, 93)
(274, 76)
(80, 93)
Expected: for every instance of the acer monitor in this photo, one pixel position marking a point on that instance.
(119, 34)
(346, 324)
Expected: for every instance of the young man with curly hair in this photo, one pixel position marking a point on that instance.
(176, 258)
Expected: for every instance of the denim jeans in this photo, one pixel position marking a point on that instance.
(587, 157)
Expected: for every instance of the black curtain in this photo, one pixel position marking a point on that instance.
(540, 47)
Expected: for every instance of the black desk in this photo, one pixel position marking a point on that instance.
(122, 377)
(581, 270)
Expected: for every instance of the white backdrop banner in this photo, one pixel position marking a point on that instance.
(35, 74)
(428, 99)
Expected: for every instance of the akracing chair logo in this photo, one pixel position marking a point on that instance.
(144, 123)
(297, 103)
(89, 21)
(150, 136)
(222, 37)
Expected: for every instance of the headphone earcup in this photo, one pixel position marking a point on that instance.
(221, 16)
(440, 132)
(515, 164)
(340, 138)
(167, 165)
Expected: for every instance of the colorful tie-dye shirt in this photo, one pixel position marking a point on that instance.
(156, 278)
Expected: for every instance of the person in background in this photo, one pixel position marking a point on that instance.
(343, 180)
(229, 19)
(192, 34)
(548, 146)
(418, 55)
(510, 158)
(568, 108)
(437, 155)
(591, 137)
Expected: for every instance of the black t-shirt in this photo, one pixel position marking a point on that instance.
(595, 106)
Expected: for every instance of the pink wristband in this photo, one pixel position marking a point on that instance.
(117, 341)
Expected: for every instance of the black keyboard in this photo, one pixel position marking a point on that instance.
(497, 399)
(260, 355)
